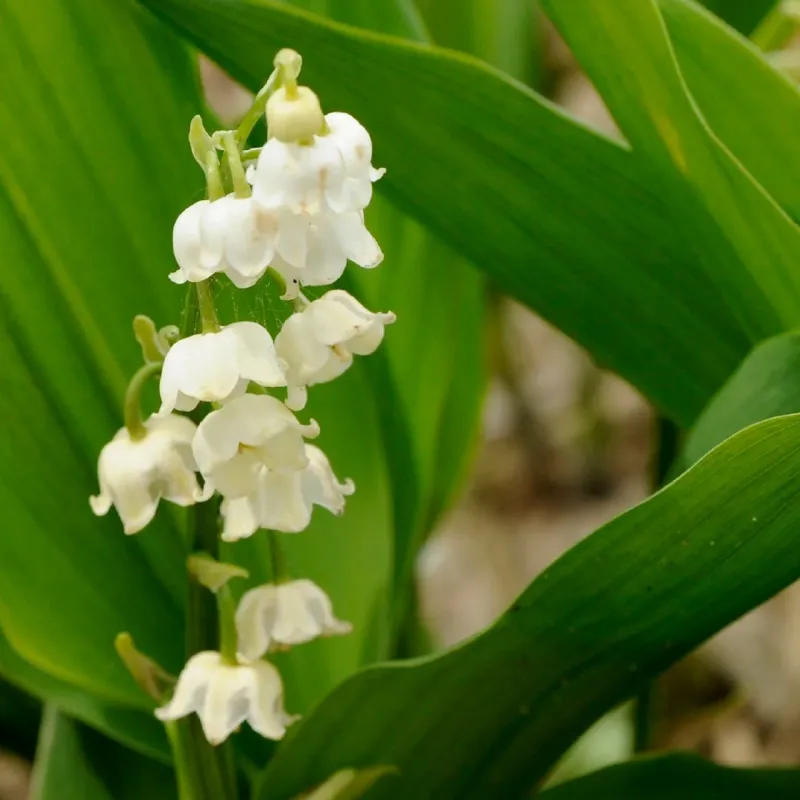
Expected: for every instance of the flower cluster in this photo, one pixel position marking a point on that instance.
(305, 217)
(297, 215)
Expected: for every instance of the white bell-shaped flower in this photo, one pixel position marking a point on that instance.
(313, 251)
(225, 695)
(355, 145)
(252, 431)
(135, 474)
(299, 178)
(216, 367)
(318, 343)
(283, 501)
(331, 172)
(275, 616)
(233, 235)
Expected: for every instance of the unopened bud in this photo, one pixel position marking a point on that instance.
(289, 62)
(294, 114)
(154, 343)
(199, 141)
(150, 676)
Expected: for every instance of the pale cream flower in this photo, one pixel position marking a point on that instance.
(299, 178)
(355, 145)
(318, 343)
(216, 367)
(283, 501)
(317, 190)
(247, 433)
(313, 251)
(232, 235)
(225, 695)
(135, 474)
(331, 172)
(274, 616)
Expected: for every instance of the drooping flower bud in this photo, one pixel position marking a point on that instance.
(225, 695)
(294, 115)
(314, 251)
(285, 614)
(251, 431)
(216, 367)
(135, 473)
(318, 343)
(232, 235)
(283, 500)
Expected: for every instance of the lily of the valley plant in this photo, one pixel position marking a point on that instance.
(230, 429)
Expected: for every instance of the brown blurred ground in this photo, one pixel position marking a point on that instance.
(14, 777)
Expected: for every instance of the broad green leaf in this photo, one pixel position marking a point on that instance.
(491, 717)
(565, 220)
(459, 424)
(680, 775)
(399, 17)
(62, 770)
(136, 729)
(349, 784)
(735, 84)
(627, 54)
(128, 775)
(394, 421)
(767, 384)
(776, 30)
(744, 15)
(506, 35)
(73, 763)
(98, 96)
(501, 32)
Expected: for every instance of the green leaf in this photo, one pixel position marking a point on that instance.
(137, 729)
(491, 717)
(744, 15)
(459, 424)
(73, 763)
(767, 384)
(734, 84)
(627, 54)
(61, 768)
(565, 220)
(503, 33)
(679, 775)
(399, 17)
(98, 97)
(349, 784)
